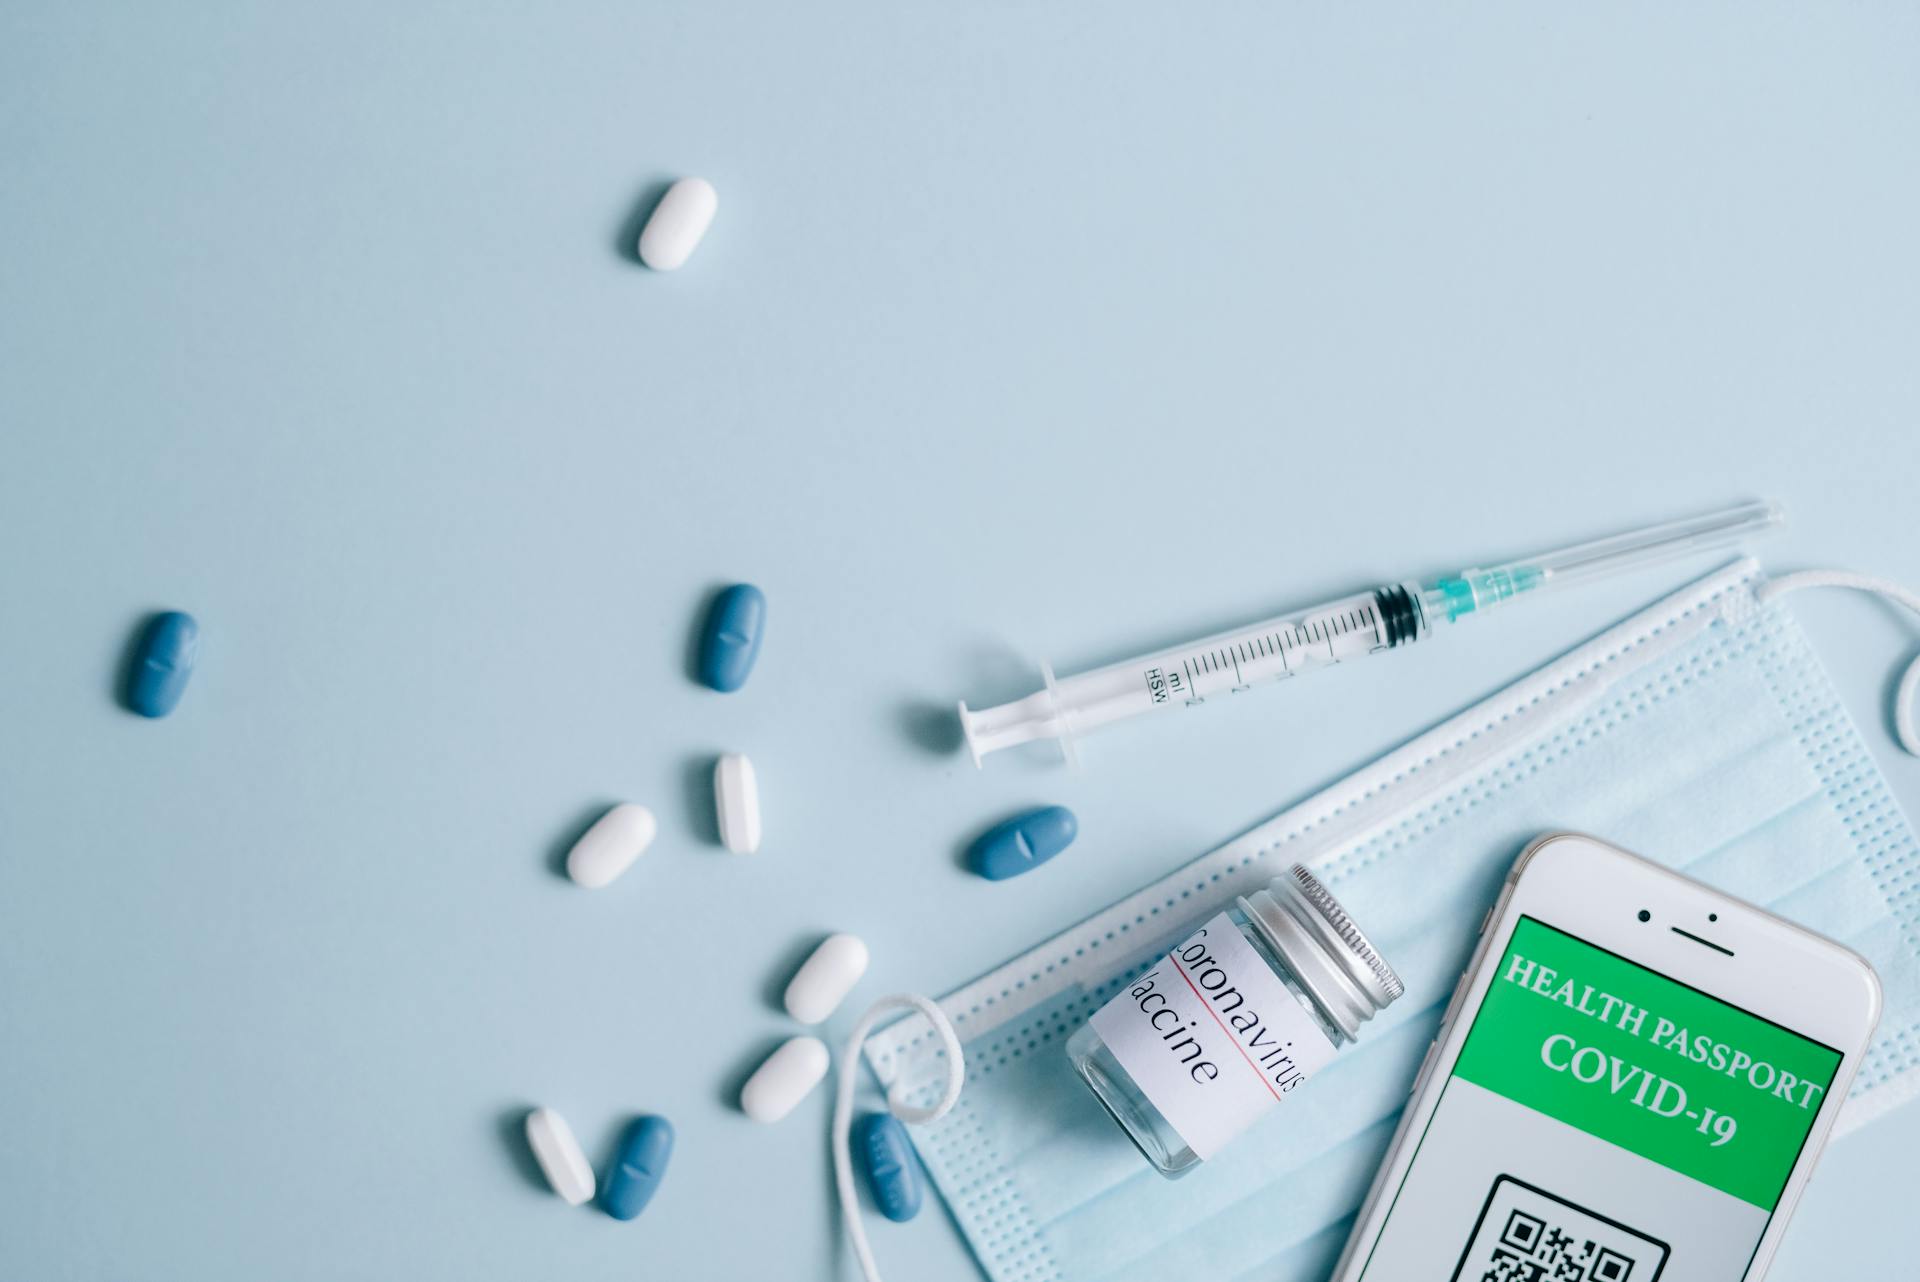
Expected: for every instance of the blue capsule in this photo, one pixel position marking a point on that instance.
(1023, 842)
(163, 663)
(638, 1167)
(731, 641)
(884, 1152)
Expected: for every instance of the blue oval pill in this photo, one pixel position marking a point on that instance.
(638, 1167)
(732, 640)
(893, 1173)
(163, 663)
(1023, 842)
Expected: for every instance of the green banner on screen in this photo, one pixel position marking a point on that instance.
(1647, 1063)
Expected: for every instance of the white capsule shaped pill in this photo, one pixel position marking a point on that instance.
(559, 1155)
(609, 848)
(825, 978)
(677, 224)
(736, 799)
(784, 1079)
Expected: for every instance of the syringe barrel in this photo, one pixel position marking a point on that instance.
(1227, 663)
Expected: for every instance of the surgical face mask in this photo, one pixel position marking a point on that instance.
(1702, 733)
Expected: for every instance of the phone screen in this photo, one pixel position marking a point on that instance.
(1602, 1122)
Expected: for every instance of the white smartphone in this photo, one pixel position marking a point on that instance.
(1631, 1084)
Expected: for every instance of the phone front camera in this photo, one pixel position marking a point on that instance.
(1644, 915)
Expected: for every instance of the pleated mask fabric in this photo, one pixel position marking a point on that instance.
(1702, 732)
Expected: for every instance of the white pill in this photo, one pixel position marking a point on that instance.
(824, 979)
(784, 1080)
(677, 224)
(609, 848)
(736, 798)
(559, 1155)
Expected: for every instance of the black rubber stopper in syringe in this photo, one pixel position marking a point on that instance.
(1398, 613)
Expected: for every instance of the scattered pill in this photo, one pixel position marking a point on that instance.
(826, 977)
(163, 663)
(609, 848)
(731, 641)
(884, 1152)
(736, 798)
(559, 1155)
(1023, 842)
(677, 224)
(638, 1167)
(784, 1079)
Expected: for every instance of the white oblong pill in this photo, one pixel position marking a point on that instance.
(609, 848)
(825, 978)
(677, 224)
(736, 798)
(559, 1155)
(784, 1079)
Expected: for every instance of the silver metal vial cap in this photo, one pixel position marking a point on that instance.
(1329, 955)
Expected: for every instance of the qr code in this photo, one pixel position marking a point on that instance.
(1526, 1234)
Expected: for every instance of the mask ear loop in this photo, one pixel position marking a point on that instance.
(843, 1106)
(1903, 698)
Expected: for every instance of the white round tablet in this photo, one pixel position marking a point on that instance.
(609, 848)
(560, 1157)
(677, 224)
(736, 800)
(784, 1079)
(826, 977)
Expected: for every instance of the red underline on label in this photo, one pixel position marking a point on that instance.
(1180, 970)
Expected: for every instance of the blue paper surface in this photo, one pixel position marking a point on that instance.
(1022, 332)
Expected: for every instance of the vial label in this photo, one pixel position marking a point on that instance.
(1212, 1037)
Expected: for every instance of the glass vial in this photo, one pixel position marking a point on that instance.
(1236, 1018)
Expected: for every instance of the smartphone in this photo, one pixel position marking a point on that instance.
(1632, 1083)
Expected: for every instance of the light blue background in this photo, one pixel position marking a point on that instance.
(1024, 330)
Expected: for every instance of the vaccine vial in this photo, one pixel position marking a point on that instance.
(1236, 1018)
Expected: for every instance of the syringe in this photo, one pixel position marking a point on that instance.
(1393, 615)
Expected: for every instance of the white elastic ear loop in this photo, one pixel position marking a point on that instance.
(1903, 698)
(843, 1106)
